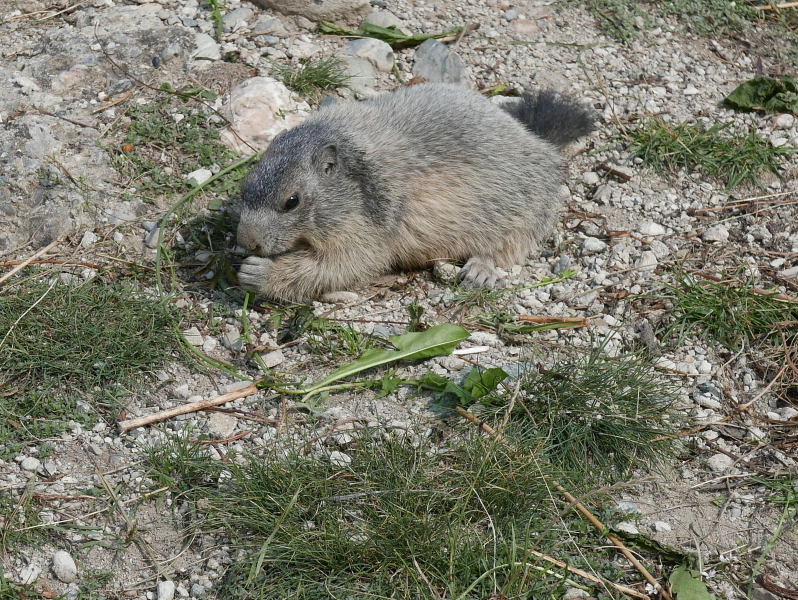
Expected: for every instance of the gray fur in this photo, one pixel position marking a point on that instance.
(429, 172)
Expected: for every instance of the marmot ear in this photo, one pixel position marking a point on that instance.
(328, 159)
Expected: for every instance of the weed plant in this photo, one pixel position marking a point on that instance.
(729, 312)
(312, 77)
(732, 159)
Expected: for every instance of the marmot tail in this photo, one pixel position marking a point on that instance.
(555, 118)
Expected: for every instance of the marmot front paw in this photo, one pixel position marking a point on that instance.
(254, 271)
(480, 271)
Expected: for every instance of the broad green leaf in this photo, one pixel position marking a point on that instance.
(393, 36)
(687, 585)
(480, 382)
(766, 94)
(435, 341)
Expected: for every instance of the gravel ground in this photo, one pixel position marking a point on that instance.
(65, 82)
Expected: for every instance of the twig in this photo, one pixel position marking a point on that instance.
(621, 588)
(71, 263)
(766, 583)
(581, 509)
(26, 262)
(575, 322)
(189, 407)
(67, 119)
(776, 6)
(228, 439)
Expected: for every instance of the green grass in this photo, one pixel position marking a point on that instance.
(70, 350)
(312, 77)
(600, 416)
(401, 521)
(730, 312)
(732, 159)
(165, 140)
(712, 17)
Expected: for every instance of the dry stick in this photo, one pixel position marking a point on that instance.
(26, 262)
(69, 263)
(183, 409)
(776, 6)
(621, 588)
(581, 508)
(576, 322)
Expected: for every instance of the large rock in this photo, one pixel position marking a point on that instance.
(349, 11)
(377, 52)
(436, 62)
(259, 109)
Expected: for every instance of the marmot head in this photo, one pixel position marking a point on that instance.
(301, 192)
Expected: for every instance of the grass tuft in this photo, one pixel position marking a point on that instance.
(312, 77)
(730, 312)
(733, 159)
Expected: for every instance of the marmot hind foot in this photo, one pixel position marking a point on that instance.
(480, 271)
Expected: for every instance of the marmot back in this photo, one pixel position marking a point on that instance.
(426, 173)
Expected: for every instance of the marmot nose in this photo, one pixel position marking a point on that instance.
(246, 239)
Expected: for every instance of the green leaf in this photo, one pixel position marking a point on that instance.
(687, 585)
(479, 382)
(435, 341)
(393, 36)
(766, 94)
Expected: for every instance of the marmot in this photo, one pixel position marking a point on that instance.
(429, 172)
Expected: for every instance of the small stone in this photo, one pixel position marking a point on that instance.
(30, 463)
(445, 271)
(690, 90)
(718, 233)
(377, 52)
(89, 239)
(197, 590)
(64, 567)
(269, 25)
(784, 121)
(29, 574)
(591, 245)
(720, 463)
(273, 358)
(182, 390)
(591, 178)
(627, 527)
(650, 228)
(708, 401)
(485, 338)
(756, 434)
(346, 11)
(779, 139)
(525, 27)
(199, 176)
(340, 459)
(232, 339)
(661, 526)
(193, 336)
(221, 425)
(647, 261)
(628, 507)
(206, 48)
(789, 273)
(384, 18)
(787, 413)
(166, 589)
(437, 62)
(235, 19)
(118, 237)
(151, 239)
(574, 594)
(342, 297)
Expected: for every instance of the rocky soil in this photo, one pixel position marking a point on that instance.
(68, 70)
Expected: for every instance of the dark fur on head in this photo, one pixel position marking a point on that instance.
(556, 118)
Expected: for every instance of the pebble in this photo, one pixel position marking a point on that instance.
(166, 590)
(718, 233)
(708, 401)
(720, 463)
(627, 527)
(790, 273)
(193, 336)
(340, 459)
(199, 176)
(30, 463)
(151, 239)
(591, 245)
(651, 228)
(221, 425)
(787, 413)
(89, 239)
(437, 62)
(273, 358)
(206, 48)
(647, 261)
(784, 121)
(236, 18)
(377, 52)
(384, 18)
(575, 594)
(29, 574)
(591, 178)
(232, 340)
(269, 25)
(661, 526)
(64, 567)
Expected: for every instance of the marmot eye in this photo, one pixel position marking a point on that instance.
(291, 203)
